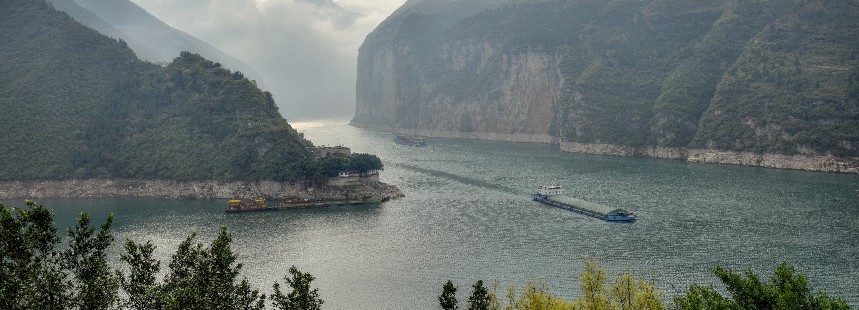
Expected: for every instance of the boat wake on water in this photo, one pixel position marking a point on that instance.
(463, 179)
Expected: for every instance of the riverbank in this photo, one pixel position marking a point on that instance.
(818, 163)
(191, 190)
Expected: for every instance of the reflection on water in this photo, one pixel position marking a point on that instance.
(467, 216)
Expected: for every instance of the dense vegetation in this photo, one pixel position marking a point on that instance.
(77, 104)
(317, 171)
(785, 290)
(39, 270)
(35, 273)
(745, 75)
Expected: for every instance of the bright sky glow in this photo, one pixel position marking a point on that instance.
(305, 50)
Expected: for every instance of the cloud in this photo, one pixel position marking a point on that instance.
(305, 50)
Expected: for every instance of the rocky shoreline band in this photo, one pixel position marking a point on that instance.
(818, 163)
(192, 190)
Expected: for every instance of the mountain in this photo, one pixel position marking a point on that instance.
(150, 38)
(764, 77)
(75, 104)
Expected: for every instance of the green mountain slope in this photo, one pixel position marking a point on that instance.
(150, 38)
(77, 104)
(740, 75)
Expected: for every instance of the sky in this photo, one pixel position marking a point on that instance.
(305, 50)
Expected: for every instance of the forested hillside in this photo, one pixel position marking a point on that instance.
(77, 104)
(150, 38)
(778, 77)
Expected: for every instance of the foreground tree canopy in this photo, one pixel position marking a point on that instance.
(36, 272)
(787, 289)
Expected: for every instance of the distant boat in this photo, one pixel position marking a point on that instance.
(409, 140)
(237, 205)
(553, 195)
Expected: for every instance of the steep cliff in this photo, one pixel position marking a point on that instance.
(772, 77)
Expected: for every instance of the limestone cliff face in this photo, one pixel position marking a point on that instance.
(626, 77)
(518, 100)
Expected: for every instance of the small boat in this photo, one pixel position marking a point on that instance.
(409, 140)
(238, 205)
(553, 195)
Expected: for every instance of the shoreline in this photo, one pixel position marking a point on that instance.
(815, 163)
(114, 188)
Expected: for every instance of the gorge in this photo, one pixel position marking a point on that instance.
(742, 82)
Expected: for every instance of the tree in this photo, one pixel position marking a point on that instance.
(95, 284)
(35, 275)
(332, 165)
(447, 299)
(479, 299)
(703, 298)
(301, 297)
(364, 162)
(140, 285)
(206, 278)
(786, 289)
(593, 294)
(30, 265)
(535, 296)
(628, 292)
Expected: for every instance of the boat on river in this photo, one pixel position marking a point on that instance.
(553, 195)
(237, 205)
(409, 140)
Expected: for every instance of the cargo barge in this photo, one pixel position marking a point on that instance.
(237, 205)
(553, 195)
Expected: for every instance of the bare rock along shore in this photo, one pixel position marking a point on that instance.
(820, 163)
(191, 190)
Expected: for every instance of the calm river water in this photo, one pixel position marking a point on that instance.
(467, 216)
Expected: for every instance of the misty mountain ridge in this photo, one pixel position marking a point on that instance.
(748, 76)
(75, 104)
(150, 38)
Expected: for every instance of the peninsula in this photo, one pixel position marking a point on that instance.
(82, 116)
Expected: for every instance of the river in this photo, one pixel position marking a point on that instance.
(467, 215)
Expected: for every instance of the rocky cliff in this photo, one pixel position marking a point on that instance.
(742, 77)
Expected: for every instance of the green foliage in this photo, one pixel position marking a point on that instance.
(140, 283)
(479, 299)
(786, 289)
(447, 299)
(317, 171)
(96, 284)
(207, 278)
(301, 297)
(625, 293)
(535, 296)
(91, 109)
(365, 162)
(703, 298)
(594, 295)
(32, 267)
(36, 275)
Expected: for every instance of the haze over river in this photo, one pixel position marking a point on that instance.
(467, 215)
